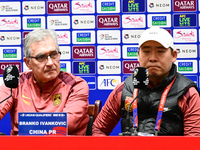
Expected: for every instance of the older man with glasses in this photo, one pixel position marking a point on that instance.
(45, 88)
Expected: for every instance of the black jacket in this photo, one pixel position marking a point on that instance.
(148, 102)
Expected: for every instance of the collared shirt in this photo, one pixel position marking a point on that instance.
(66, 93)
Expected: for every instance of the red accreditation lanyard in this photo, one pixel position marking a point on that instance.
(160, 108)
(135, 118)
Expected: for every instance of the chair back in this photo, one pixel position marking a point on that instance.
(1, 133)
(93, 111)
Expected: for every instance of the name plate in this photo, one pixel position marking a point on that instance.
(40, 124)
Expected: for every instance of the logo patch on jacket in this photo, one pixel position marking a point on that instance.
(128, 100)
(26, 100)
(56, 99)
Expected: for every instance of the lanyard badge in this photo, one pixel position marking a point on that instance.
(160, 108)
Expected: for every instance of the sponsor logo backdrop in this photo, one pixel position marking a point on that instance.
(98, 39)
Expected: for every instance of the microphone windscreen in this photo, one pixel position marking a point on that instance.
(140, 77)
(11, 77)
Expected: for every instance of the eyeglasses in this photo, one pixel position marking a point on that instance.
(42, 58)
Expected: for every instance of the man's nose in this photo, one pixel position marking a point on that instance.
(153, 57)
(49, 60)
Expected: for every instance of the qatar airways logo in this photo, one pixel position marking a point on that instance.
(4, 65)
(83, 52)
(185, 5)
(133, 21)
(129, 66)
(63, 37)
(58, 7)
(83, 7)
(185, 35)
(105, 21)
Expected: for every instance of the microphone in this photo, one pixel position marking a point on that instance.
(140, 77)
(140, 81)
(10, 78)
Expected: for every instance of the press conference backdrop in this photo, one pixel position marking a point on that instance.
(98, 39)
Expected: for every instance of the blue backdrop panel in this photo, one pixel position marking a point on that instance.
(98, 39)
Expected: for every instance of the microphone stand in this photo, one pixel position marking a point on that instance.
(140, 80)
(127, 132)
(7, 97)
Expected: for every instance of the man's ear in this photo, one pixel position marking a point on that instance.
(27, 62)
(138, 54)
(174, 54)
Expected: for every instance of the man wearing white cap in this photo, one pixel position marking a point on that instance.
(170, 105)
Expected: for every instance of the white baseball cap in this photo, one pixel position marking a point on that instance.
(159, 35)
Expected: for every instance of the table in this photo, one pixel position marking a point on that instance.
(99, 143)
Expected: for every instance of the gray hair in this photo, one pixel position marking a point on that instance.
(37, 35)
